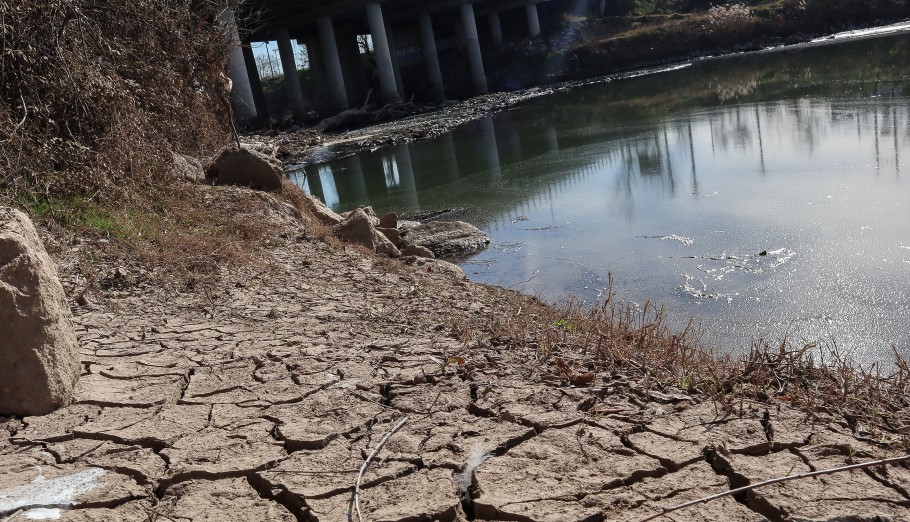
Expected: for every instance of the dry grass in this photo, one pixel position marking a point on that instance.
(96, 94)
(579, 344)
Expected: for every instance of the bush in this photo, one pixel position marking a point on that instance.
(729, 22)
(97, 93)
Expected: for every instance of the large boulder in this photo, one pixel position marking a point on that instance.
(447, 238)
(246, 168)
(39, 354)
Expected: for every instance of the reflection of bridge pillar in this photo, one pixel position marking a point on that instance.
(511, 142)
(353, 179)
(244, 105)
(552, 137)
(381, 53)
(533, 20)
(291, 76)
(431, 57)
(406, 175)
(495, 29)
(334, 77)
(475, 57)
(262, 108)
(314, 181)
(487, 145)
(449, 158)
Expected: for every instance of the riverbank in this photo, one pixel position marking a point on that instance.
(240, 362)
(258, 391)
(298, 147)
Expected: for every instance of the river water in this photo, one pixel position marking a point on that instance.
(762, 195)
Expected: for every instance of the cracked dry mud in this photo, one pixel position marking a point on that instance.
(260, 398)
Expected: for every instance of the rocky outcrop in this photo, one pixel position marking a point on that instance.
(246, 168)
(389, 220)
(39, 358)
(447, 238)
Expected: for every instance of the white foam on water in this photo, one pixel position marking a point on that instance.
(60, 491)
(42, 514)
(874, 31)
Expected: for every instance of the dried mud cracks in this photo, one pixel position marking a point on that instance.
(259, 400)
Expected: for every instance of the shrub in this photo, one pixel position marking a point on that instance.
(97, 93)
(729, 22)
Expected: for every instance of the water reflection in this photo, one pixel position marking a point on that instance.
(796, 154)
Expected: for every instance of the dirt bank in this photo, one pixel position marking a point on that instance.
(258, 393)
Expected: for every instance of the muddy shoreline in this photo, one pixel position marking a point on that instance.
(257, 395)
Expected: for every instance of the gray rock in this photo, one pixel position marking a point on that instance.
(358, 229)
(39, 357)
(435, 265)
(188, 168)
(321, 212)
(447, 238)
(419, 251)
(389, 220)
(393, 235)
(246, 168)
(371, 213)
(385, 246)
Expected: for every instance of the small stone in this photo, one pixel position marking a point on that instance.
(389, 220)
(392, 234)
(419, 251)
(385, 246)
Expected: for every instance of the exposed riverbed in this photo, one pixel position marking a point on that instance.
(761, 195)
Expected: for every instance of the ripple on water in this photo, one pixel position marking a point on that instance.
(717, 267)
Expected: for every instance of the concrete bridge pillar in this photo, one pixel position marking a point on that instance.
(387, 83)
(431, 57)
(475, 57)
(393, 50)
(291, 76)
(317, 70)
(262, 109)
(352, 67)
(495, 29)
(533, 20)
(334, 77)
(242, 100)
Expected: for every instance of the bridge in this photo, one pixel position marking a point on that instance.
(441, 43)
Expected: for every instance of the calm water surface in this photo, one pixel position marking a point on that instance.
(762, 195)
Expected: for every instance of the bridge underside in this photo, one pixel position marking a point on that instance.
(441, 44)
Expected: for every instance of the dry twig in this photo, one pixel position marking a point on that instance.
(355, 499)
(778, 480)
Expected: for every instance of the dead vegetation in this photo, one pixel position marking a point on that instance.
(97, 94)
(582, 345)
